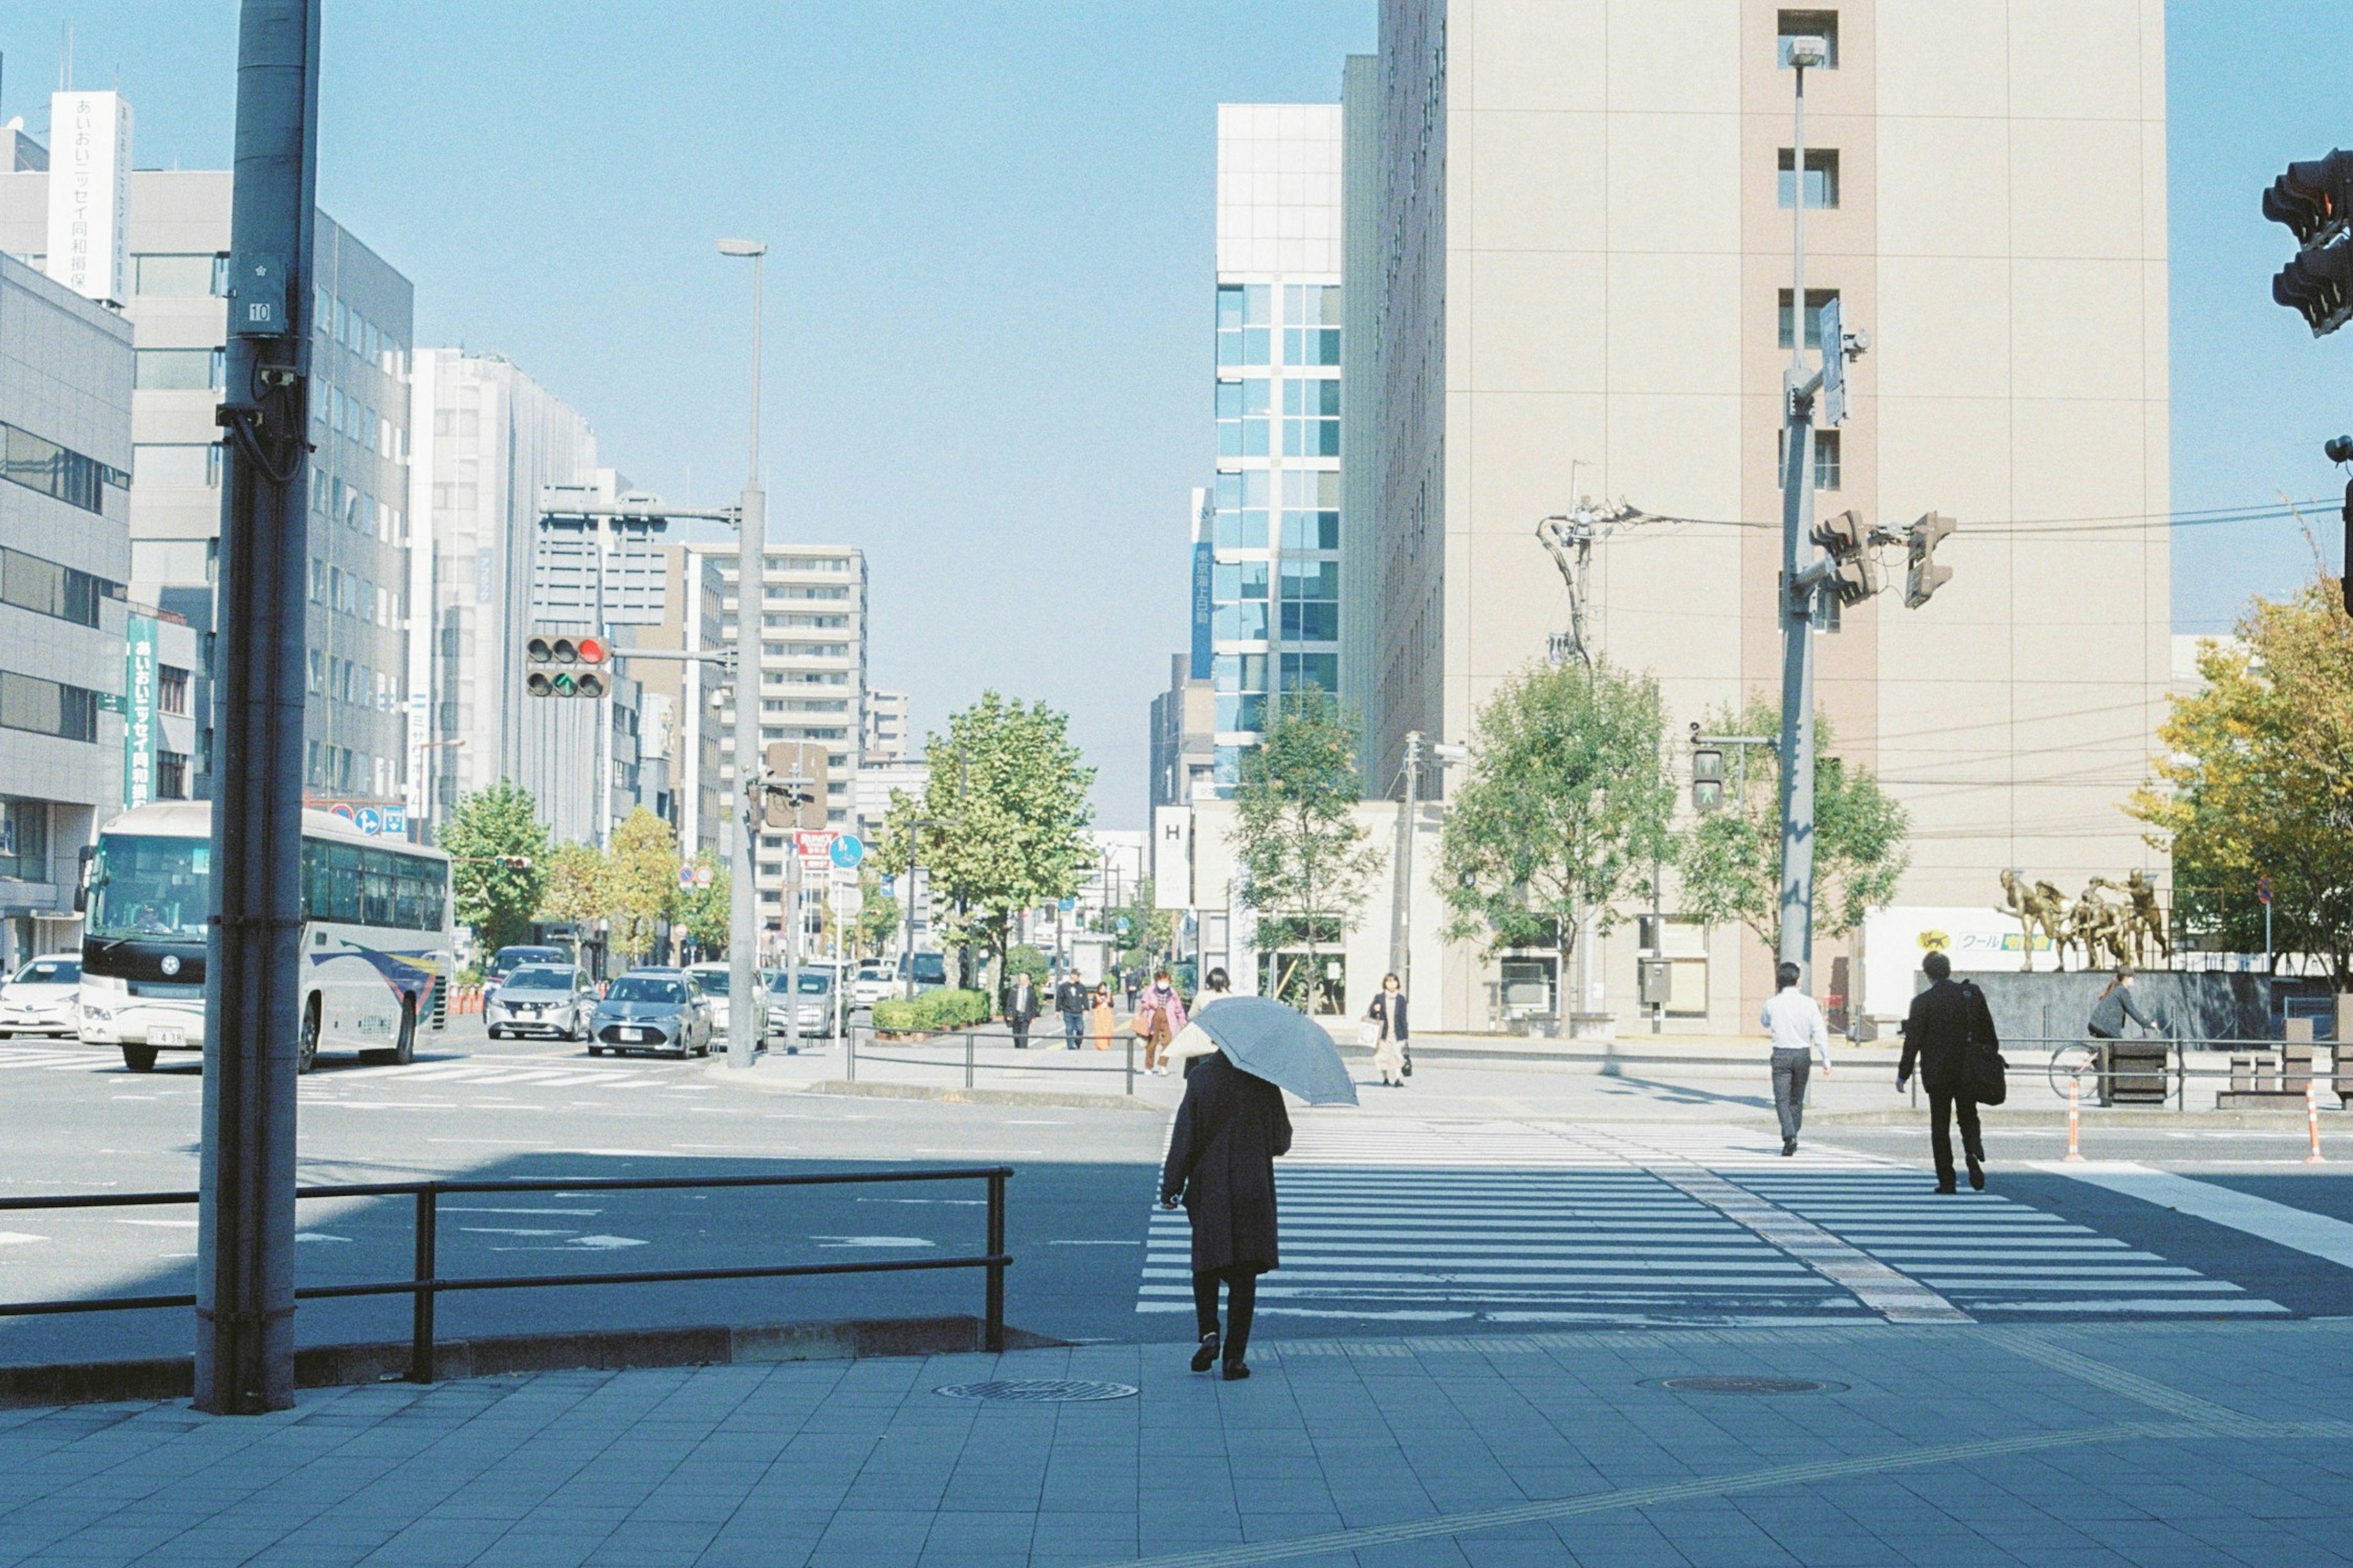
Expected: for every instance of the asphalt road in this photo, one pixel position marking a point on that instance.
(1478, 1200)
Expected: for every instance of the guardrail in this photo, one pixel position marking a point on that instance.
(946, 1048)
(2095, 1063)
(427, 1285)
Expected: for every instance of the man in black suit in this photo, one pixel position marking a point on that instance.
(1021, 1010)
(1944, 1019)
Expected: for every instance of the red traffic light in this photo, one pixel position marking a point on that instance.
(592, 650)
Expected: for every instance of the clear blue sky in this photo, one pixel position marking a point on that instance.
(990, 308)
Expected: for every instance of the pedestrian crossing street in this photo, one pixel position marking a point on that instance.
(1651, 1225)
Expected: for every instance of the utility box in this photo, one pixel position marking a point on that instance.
(1657, 981)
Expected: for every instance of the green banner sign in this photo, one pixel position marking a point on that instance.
(138, 712)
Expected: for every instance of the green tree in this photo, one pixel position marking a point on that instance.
(703, 911)
(1731, 859)
(498, 867)
(877, 932)
(575, 888)
(1304, 857)
(640, 882)
(1004, 812)
(2257, 781)
(1561, 813)
(1141, 931)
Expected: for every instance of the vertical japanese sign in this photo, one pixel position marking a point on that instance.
(90, 194)
(138, 711)
(1204, 564)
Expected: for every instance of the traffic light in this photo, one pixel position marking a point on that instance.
(567, 666)
(2315, 200)
(1707, 778)
(1922, 576)
(1848, 539)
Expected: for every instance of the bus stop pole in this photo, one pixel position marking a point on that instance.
(244, 1235)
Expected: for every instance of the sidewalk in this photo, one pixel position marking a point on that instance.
(2177, 1444)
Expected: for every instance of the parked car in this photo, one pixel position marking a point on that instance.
(507, 960)
(815, 1012)
(551, 999)
(42, 997)
(651, 1010)
(931, 970)
(713, 980)
(873, 984)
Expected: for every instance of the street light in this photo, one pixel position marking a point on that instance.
(747, 1015)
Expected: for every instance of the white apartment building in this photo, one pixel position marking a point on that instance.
(1582, 265)
(887, 737)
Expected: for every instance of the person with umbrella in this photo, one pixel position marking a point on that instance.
(1229, 1132)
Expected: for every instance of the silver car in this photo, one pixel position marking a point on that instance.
(555, 1000)
(41, 997)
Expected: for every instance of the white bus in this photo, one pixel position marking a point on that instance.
(377, 947)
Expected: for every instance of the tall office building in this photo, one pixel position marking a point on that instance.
(694, 616)
(1584, 273)
(812, 677)
(1270, 536)
(175, 273)
(65, 551)
(886, 727)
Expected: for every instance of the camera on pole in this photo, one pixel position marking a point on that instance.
(567, 666)
(2315, 201)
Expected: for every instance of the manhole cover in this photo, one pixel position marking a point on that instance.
(1747, 1386)
(1039, 1390)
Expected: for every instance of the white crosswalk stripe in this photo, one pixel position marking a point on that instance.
(1527, 1222)
(66, 1056)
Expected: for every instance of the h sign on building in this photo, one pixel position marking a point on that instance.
(89, 195)
(1172, 857)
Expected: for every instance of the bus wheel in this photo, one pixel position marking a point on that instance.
(139, 1058)
(405, 1051)
(307, 1055)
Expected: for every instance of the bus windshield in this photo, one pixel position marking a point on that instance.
(158, 889)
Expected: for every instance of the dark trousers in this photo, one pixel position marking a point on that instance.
(1241, 1300)
(1941, 1108)
(1020, 1033)
(1074, 1028)
(1790, 1071)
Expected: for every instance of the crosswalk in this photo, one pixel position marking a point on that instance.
(478, 1071)
(68, 1056)
(1690, 1225)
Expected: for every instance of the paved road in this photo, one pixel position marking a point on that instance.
(1479, 1200)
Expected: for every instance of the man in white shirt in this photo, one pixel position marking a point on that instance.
(1799, 1037)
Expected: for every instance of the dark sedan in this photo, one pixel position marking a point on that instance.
(651, 1012)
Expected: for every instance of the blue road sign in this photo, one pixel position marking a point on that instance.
(1069, 904)
(847, 851)
(889, 885)
(368, 820)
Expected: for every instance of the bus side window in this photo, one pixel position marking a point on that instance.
(314, 868)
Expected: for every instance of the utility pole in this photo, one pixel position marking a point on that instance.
(245, 1215)
(1400, 925)
(747, 1010)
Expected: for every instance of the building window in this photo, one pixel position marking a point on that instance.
(1242, 511)
(1822, 24)
(183, 463)
(1321, 671)
(47, 707)
(1311, 509)
(1311, 601)
(1826, 458)
(24, 839)
(1239, 591)
(1310, 324)
(47, 588)
(1243, 331)
(1821, 177)
(42, 465)
(1815, 299)
(171, 689)
(179, 370)
(1311, 418)
(181, 276)
(1242, 410)
(170, 776)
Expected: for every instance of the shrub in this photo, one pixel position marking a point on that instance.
(934, 1010)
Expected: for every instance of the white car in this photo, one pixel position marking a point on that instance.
(711, 980)
(873, 984)
(41, 997)
(551, 999)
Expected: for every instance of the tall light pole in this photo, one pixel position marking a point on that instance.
(1795, 592)
(747, 1009)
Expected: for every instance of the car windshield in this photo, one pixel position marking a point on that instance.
(643, 988)
(145, 887)
(49, 972)
(711, 982)
(931, 966)
(814, 982)
(539, 979)
(512, 958)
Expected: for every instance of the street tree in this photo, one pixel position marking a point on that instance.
(1730, 859)
(877, 931)
(1142, 932)
(1306, 862)
(703, 909)
(2256, 781)
(1562, 814)
(1001, 823)
(498, 867)
(640, 882)
(575, 888)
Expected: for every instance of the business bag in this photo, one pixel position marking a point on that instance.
(1985, 1076)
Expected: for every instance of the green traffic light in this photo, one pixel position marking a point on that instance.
(563, 685)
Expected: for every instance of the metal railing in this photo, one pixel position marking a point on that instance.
(426, 1285)
(2093, 1063)
(950, 1047)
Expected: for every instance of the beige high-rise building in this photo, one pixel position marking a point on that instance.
(1582, 260)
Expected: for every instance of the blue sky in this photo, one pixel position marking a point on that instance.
(988, 291)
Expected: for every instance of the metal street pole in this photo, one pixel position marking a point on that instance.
(1400, 920)
(1796, 599)
(747, 1012)
(245, 1216)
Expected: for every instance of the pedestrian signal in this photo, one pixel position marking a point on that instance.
(1707, 778)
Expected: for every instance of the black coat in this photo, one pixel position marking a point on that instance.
(1937, 1034)
(1382, 1002)
(1070, 997)
(1222, 1161)
(1020, 1004)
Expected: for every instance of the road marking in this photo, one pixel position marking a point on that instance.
(19, 1238)
(2283, 1224)
(494, 1208)
(871, 1241)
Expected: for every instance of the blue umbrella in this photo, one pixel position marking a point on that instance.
(1280, 1044)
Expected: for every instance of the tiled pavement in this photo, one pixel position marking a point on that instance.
(2152, 1443)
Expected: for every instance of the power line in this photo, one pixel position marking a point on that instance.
(2212, 517)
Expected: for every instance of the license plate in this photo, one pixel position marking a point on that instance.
(641, 1035)
(167, 1036)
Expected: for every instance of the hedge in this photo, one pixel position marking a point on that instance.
(933, 1010)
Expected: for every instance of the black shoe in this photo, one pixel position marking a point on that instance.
(1946, 1189)
(1236, 1371)
(1207, 1353)
(1976, 1175)
(1789, 1148)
